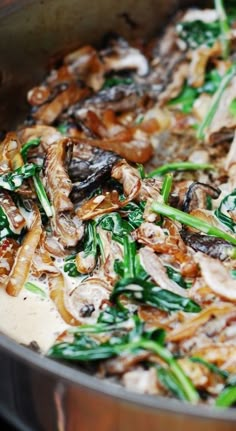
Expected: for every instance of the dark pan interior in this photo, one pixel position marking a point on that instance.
(35, 33)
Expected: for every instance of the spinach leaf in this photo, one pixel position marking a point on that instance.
(71, 270)
(5, 230)
(90, 243)
(157, 335)
(63, 128)
(233, 274)
(135, 213)
(231, 10)
(129, 257)
(224, 28)
(192, 221)
(86, 348)
(177, 277)
(222, 213)
(131, 266)
(136, 218)
(227, 398)
(113, 81)
(31, 287)
(211, 84)
(139, 120)
(185, 100)
(13, 180)
(232, 108)
(179, 167)
(213, 368)
(138, 268)
(166, 187)
(209, 202)
(170, 382)
(27, 146)
(114, 223)
(112, 315)
(197, 33)
(148, 293)
(141, 170)
(119, 267)
(42, 195)
(225, 81)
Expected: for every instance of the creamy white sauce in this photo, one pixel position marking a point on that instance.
(29, 317)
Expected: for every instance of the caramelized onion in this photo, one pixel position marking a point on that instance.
(190, 326)
(8, 250)
(49, 112)
(58, 182)
(23, 260)
(57, 294)
(135, 147)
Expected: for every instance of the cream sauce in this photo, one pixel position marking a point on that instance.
(29, 317)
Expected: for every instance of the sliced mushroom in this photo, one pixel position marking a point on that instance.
(91, 291)
(88, 168)
(134, 145)
(141, 381)
(68, 229)
(119, 98)
(196, 196)
(50, 111)
(121, 56)
(175, 87)
(122, 364)
(47, 134)
(155, 268)
(129, 177)
(217, 277)
(212, 246)
(86, 65)
(199, 60)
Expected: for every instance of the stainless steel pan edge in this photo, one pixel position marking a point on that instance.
(38, 393)
(41, 393)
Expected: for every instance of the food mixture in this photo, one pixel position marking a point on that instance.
(118, 212)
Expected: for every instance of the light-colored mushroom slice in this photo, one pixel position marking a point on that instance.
(155, 268)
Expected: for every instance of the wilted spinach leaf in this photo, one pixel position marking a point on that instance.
(197, 33)
(227, 205)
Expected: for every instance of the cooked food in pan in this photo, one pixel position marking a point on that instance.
(118, 211)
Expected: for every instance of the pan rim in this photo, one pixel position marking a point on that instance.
(79, 378)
